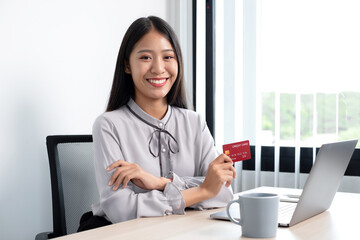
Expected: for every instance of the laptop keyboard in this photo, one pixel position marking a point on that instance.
(286, 211)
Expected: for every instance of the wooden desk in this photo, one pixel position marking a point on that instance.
(341, 221)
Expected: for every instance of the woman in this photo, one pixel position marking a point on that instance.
(153, 157)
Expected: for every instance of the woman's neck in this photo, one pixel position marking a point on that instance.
(156, 109)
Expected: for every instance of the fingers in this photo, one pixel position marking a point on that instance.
(116, 173)
(115, 165)
(128, 175)
(226, 162)
(224, 158)
(116, 178)
(223, 169)
(233, 171)
(123, 178)
(228, 166)
(228, 177)
(124, 173)
(116, 183)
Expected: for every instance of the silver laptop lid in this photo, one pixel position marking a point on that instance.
(324, 179)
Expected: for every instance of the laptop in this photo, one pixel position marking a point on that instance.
(319, 190)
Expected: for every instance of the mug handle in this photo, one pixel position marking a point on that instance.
(228, 212)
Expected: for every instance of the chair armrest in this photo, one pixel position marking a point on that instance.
(43, 235)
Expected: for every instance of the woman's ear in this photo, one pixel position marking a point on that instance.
(127, 68)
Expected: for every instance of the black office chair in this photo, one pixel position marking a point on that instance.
(73, 182)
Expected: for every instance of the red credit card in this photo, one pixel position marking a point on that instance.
(238, 151)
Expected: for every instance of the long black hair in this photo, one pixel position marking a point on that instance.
(123, 86)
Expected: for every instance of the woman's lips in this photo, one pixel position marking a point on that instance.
(157, 82)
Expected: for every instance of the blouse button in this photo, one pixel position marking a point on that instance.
(161, 125)
(163, 150)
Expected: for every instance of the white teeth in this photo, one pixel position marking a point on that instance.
(157, 81)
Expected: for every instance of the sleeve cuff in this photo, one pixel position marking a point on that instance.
(173, 194)
(177, 181)
(183, 183)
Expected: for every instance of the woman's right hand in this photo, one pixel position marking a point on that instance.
(220, 171)
(125, 172)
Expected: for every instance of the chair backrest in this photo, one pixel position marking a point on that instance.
(73, 181)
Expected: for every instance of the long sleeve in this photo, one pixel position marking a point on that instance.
(131, 202)
(207, 154)
(224, 196)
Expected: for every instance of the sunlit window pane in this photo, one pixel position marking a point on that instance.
(326, 114)
(349, 115)
(307, 121)
(287, 116)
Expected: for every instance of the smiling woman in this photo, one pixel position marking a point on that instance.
(154, 157)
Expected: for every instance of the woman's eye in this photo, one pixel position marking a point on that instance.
(169, 57)
(145, 57)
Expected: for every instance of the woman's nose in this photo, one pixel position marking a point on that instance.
(158, 66)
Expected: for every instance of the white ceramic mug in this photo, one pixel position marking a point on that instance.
(258, 214)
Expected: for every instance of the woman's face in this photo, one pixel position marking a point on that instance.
(153, 67)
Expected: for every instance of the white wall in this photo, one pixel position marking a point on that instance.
(57, 60)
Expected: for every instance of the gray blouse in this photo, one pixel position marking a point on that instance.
(179, 146)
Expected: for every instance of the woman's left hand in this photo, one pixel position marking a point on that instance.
(126, 172)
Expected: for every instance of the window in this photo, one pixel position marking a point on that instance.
(308, 57)
(286, 74)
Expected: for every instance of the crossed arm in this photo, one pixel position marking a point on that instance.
(220, 172)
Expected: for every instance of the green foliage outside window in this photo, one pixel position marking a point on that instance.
(326, 114)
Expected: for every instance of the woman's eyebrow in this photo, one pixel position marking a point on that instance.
(151, 51)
